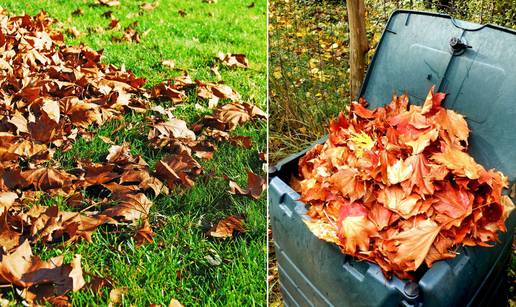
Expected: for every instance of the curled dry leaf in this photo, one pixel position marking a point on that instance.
(396, 186)
(174, 303)
(255, 186)
(114, 23)
(129, 35)
(74, 32)
(144, 234)
(116, 295)
(24, 269)
(213, 92)
(169, 63)
(147, 6)
(178, 169)
(129, 207)
(108, 2)
(233, 60)
(226, 227)
(78, 12)
(230, 116)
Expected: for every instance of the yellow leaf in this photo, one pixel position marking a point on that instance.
(277, 73)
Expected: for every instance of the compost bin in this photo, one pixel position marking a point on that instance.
(476, 66)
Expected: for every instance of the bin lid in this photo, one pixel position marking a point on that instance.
(474, 64)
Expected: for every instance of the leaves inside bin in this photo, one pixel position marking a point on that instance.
(397, 187)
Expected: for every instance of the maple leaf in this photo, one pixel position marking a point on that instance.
(19, 121)
(323, 230)
(454, 124)
(399, 171)
(174, 169)
(395, 199)
(24, 269)
(173, 128)
(354, 229)
(459, 162)
(348, 183)
(173, 92)
(233, 60)
(454, 202)
(214, 92)
(47, 178)
(432, 101)
(413, 245)
(119, 154)
(439, 250)
(144, 234)
(233, 114)
(255, 186)
(404, 172)
(380, 216)
(9, 237)
(129, 207)
(423, 175)
(422, 140)
(226, 227)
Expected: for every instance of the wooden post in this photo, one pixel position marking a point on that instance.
(358, 44)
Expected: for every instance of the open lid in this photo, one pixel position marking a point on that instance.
(475, 65)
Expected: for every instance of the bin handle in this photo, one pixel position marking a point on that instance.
(456, 22)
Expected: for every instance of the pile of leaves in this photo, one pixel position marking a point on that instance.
(396, 186)
(51, 95)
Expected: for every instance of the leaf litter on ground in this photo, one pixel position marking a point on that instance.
(54, 94)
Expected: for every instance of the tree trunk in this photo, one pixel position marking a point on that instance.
(358, 44)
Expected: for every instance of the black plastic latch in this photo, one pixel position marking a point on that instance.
(458, 46)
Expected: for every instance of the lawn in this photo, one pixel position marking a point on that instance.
(177, 264)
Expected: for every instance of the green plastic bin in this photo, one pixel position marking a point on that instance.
(476, 65)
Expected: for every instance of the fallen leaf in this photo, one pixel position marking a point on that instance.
(147, 6)
(74, 32)
(255, 186)
(233, 60)
(78, 12)
(226, 227)
(174, 303)
(169, 63)
(108, 2)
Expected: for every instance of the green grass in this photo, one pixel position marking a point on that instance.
(175, 266)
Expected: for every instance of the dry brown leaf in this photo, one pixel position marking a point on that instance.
(169, 63)
(108, 2)
(233, 60)
(255, 186)
(174, 303)
(226, 227)
(144, 234)
(24, 269)
(73, 32)
(78, 12)
(177, 169)
(129, 207)
(147, 6)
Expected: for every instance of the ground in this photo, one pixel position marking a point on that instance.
(175, 265)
